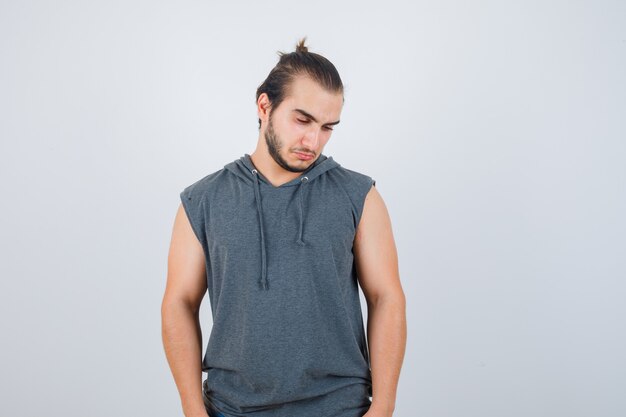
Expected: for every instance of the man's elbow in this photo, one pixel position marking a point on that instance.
(172, 304)
(388, 297)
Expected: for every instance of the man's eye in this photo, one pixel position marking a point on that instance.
(307, 121)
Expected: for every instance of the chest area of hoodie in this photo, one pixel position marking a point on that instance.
(320, 213)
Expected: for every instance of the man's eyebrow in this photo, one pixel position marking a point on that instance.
(310, 116)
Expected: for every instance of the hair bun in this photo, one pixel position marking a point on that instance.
(300, 47)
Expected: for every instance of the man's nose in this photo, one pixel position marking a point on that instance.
(311, 138)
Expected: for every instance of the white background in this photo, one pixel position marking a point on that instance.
(495, 131)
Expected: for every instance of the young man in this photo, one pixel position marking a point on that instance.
(281, 239)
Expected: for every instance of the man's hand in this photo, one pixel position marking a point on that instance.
(199, 414)
(378, 412)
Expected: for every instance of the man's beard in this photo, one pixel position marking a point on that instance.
(274, 146)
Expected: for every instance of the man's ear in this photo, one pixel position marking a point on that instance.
(263, 107)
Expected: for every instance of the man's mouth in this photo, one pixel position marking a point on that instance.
(304, 156)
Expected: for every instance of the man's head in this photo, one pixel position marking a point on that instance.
(298, 105)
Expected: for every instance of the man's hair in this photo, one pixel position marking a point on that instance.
(293, 64)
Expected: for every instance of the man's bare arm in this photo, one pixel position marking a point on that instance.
(377, 269)
(180, 325)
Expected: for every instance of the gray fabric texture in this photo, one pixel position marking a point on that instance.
(288, 337)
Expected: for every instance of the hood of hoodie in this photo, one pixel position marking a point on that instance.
(245, 170)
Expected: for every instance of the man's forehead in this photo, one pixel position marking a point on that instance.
(305, 92)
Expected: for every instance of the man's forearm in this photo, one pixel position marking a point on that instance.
(182, 340)
(386, 337)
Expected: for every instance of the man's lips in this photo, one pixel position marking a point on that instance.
(304, 156)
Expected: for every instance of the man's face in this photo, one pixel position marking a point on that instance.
(301, 126)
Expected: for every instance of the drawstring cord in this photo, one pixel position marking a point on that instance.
(259, 207)
(303, 180)
(257, 196)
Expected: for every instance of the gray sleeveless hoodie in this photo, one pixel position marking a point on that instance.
(288, 337)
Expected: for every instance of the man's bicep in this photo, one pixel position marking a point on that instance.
(186, 269)
(375, 250)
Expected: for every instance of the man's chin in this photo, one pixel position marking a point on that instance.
(301, 168)
(295, 164)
